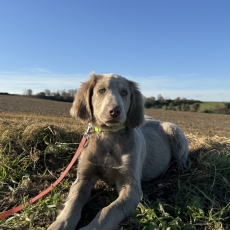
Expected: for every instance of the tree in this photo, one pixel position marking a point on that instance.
(160, 98)
(57, 95)
(28, 92)
(196, 107)
(72, 92)
(41, 95)
(47, 92)
(177, 101)
(150, 102)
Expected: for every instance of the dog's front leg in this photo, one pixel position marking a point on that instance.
(110, 217)
(79, 194)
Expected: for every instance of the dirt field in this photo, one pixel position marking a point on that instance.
(21, 104)
(195, 122)
(190, 122)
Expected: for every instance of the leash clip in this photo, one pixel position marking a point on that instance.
(88, 129)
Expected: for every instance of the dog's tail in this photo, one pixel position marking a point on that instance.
(178, 142)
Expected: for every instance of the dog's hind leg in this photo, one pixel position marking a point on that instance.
(178, 142)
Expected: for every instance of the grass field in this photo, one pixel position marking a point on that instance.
(38, 139)
(210, 106)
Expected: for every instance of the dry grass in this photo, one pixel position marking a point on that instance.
(35, 149)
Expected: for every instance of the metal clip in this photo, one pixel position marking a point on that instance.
(88, 129)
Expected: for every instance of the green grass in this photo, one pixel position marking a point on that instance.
(210, 106)
(34, 152)
(200, 195)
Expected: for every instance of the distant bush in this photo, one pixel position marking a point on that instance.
(41, 95)
(196, 107)
(227, 108)
(150, 102)
(185, 107)
(219, 109)
(208, 111)
(178, 107)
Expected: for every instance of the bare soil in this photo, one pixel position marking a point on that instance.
(30, 105)
(189, 122)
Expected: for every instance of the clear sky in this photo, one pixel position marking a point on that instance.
(176, 48)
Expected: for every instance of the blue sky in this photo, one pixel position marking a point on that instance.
(175, 48)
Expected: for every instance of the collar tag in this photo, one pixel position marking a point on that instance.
(88, 129)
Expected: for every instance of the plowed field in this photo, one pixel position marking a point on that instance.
(209, 124)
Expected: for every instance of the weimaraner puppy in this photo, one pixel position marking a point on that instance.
(124, 148)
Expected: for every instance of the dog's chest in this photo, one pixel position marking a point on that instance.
(108, 159)
(107, 151)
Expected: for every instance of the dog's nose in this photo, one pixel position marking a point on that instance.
(115, 112)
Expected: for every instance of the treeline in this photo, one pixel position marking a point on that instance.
(4, 93)
(183, 104)
(59, 95)
(180, 104)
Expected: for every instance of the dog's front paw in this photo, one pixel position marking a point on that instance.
(61, 225)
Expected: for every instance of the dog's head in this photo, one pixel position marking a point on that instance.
(109, 100)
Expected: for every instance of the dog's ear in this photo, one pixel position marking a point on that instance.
(135, 116)
(82, 106)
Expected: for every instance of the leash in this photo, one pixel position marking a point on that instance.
(7, 213)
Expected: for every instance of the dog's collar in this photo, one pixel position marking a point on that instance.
(100, 130)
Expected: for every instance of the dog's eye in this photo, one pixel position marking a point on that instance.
(102, 91)
(124, 93)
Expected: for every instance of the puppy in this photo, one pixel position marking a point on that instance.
(124, 148)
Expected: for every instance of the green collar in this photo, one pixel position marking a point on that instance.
(99, 130)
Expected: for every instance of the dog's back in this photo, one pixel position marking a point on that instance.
(164, 142)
